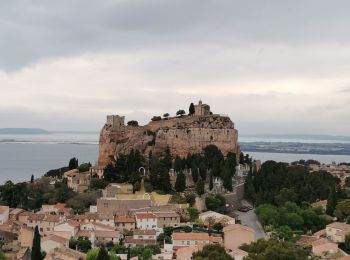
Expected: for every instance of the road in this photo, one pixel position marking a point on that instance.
(249, 219)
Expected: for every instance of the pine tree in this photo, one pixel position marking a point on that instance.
(331, 201)
(102, 254)
(36, 248)
(200, 187)
(180, 184)
(191, 109)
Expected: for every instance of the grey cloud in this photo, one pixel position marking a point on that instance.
(33, 30)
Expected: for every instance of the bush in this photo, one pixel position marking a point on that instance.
(156, 118)
(215, 202)
(133, 123)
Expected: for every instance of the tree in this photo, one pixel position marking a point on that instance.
(241, 158)
(166, 115)
(331, 202)
(180, 184)
(36, 247)
(191, 109)
(284, 196)
(102, 254)
(147, 254)
(84, 167)
(218, 226)
(211, 182)
(83, 244)
(215, 202)
(194, 172)
(193, 214)
(167, 160)
(180, 112)
(203, 170)
(275, 249)
(347, 242)
(92, 254)
(96, 184)
(212, 252)
(73, 163)
(32, 179)
(133, 123)
(200, 187)
(156, 118)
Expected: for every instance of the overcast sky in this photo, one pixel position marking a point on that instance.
(272, 66)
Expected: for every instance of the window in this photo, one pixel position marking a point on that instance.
(188, 242)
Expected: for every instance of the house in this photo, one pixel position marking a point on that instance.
(102, 236)
(71, 227)
(189, 239)
(78, 181)
(25, 237)
(113, 206)
(7, 234)
(51, 242)
(14, 213)
(64, 253)
(319, 246)
(45, 222)
(4, 214)
(337, 231)
(238, 254)
(185, 253)
(167, 219)
(141, 238)
(236, 235)
(57, 209)
(216, 217)
(146, 220)
(97, 172)
(23, 216)
(125, 223)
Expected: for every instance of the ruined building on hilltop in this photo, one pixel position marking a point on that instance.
(183, 135)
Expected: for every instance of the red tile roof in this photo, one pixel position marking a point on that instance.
(190, 236)
(145, 215)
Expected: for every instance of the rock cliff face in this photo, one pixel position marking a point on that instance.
(183, 135)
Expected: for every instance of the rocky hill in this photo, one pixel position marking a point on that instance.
(183, 135)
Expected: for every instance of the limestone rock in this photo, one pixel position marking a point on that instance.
(183, 135)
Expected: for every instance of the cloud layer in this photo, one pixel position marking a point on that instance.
(274, 68)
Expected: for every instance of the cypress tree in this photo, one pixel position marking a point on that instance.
(200, 187)
(167, 160)
(331, 201)
(32, 179)
(194, 171)
(36, 248)
(180, 184)
(191, 109)
(211, 182)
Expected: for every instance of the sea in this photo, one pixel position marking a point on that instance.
(24, 155)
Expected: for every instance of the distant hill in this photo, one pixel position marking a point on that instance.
(22, 131)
